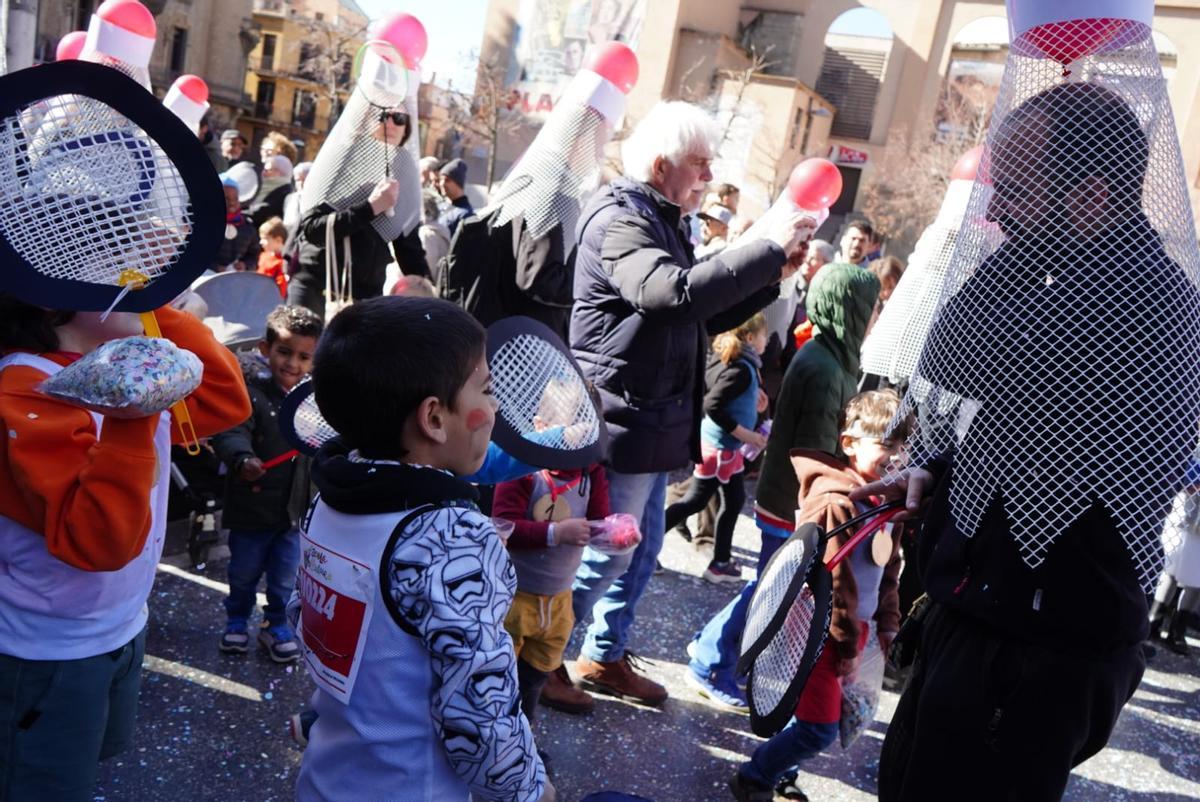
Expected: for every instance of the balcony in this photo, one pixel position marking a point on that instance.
(270, 7)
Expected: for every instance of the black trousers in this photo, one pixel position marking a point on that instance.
(989, 718)
(733, 497)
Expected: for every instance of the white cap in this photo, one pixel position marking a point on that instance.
(589, 88)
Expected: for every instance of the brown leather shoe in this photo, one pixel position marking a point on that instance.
(618, 678)
(561, 694)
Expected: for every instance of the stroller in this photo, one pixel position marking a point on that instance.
(238, 305)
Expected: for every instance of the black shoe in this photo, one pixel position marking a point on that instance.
(658, 568)
(788, 789)
(745, 791)
(1175, 639)
(682, 530)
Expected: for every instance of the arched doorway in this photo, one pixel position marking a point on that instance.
(857, 47)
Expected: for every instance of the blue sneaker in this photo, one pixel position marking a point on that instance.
(280, 643)
(720, 692)
(235, 640)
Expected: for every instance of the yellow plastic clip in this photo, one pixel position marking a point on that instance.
(132, 279)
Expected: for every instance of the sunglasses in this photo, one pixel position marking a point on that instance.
(397, 117)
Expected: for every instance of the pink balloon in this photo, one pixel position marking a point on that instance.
(967, 165)
(130, 15)
(70, 46)
(815, 184)
(193, 87)
(406, 33)
(615, 62)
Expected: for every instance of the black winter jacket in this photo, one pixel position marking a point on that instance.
(642, 309)
(277, 500)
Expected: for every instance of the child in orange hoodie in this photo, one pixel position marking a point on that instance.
(83, 502)
(865, 588)
(272, 236)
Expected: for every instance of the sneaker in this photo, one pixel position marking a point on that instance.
(235, 640)
(718, 573)
(723, 694)
(658, 568)
(618, 678)
(280, 643)
(788, 789)
(744, 790)
(561, 694)
(299, 725)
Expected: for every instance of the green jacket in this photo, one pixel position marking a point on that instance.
(821, 379)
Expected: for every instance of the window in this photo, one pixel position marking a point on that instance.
(857, 47)
(309, 66)
(304, 109)
(179, 50)
(264, 100)
(267, 61)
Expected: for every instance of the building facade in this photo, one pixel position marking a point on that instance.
(299, 71)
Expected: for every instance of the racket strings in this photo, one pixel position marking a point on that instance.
(542, 395)
(310, 425)
(87, 195)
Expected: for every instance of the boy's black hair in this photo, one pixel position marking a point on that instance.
(294, 319)
(25, 327)
(380, 358)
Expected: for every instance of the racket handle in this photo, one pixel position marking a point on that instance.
(868, 529)
(179, 410)
(286, 456)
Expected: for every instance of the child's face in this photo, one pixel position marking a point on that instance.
(271, 244)
(869, 456)
(289, 357)
(232, 204)
(758, 341)
(469, 425)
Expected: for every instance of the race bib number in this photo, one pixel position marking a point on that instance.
(336, 597)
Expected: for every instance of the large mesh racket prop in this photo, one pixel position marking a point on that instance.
(1068, 327)
(788, 618)
(546, 417)
(113, 206)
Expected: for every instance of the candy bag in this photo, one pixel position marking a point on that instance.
(616, 534)
(133, 377)
(860, 693)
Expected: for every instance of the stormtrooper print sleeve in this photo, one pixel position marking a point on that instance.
(451, 583)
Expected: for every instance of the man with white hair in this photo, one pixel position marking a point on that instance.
(643, 309)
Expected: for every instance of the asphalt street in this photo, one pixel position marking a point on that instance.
(213, 727)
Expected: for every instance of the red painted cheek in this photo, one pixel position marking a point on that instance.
(477, 419)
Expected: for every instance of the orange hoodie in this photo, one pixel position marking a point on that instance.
(825, 484)
(90, 496)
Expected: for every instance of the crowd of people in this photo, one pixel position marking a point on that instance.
(710, 344)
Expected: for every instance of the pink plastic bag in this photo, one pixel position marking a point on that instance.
(616, 534)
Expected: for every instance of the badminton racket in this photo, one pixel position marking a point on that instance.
(789, 615)
(107, 200)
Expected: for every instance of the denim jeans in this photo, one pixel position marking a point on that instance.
(58, 718)
(798, 741)
(252, 554)
(609, 586)
(719, 644)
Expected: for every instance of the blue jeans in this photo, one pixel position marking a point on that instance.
(252, 554)
(59, 718)
(798, 741)
(719, 644)
(609, 586)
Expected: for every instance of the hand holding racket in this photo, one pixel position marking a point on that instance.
(908, 486)
(789, 615)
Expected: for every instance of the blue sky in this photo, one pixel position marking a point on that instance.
(862, 22)
(455, 29)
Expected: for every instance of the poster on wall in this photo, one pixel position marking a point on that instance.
(553, 38)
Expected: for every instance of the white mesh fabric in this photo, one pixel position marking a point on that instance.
(894, 342)
(1064, 362)
(87, 195)
(139, 74)
(557, 172)
(310, 425)
(355, 157)
(542, 396)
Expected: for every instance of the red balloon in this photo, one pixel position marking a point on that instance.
(130, 15)
(967, 165)
(815, 184)
(406, 33)
(1069, 40)
(614, 62)
(70, 46)
(193, 87)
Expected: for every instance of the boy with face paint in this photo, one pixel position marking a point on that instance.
(404, 585)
